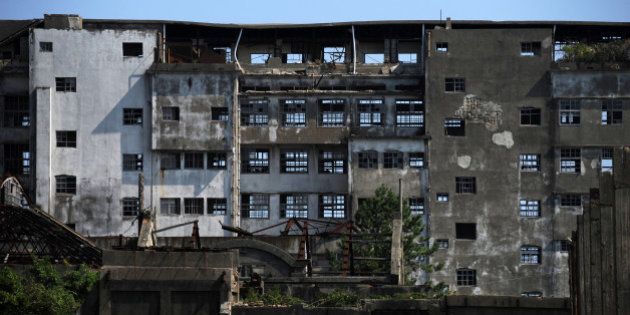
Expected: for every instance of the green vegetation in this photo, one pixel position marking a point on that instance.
(616, 51)
(41, 289)
(271, 297)
(337, 298)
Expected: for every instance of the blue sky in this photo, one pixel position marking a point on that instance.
(304, 11)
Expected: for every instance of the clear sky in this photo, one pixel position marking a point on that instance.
(308, 11)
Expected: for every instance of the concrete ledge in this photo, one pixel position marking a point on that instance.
(224, 259)
(507, 302)
(167, 274)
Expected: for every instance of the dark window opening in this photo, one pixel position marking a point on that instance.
(416, 205)
(455, 127)
(442, 243)
(530, 49)
(441, 47)
(255, 113)
(331, 162)
(410, 113)
(255, 161)
(132, 49)
(530, 116)
(561, 245)
(294, 162)
(393, 160)
(132, 116)
(170, 206)
(466, 231)
(130, 206)
(441, 197)
(368, 159)
(293, 112)
(466, 277)
(465, 185)
(570, 112)
(220, 114)
(606, 162)
(17, 159)
(455, 85)
(570, 200)
(16, 111)
(217, 206)
(66, 84)
(416, 160)
(66, 184)
(530, 162)
(294, 206)
(217, 160)
(332, 206)
(45, 46)
(132, 162)
(170, 161)
(255, 206)
(612, 113)
(370, 113)
(193, 160)
(66, 139)
(530, 255)
(170, 113)
(193, 205)
(332, 112)
(570, 160)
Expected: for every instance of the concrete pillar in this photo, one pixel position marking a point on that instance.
(43, 175)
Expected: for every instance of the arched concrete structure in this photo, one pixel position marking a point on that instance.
(277, 261)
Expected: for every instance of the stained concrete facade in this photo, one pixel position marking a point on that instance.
(238, 122)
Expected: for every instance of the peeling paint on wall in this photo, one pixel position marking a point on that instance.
(464, 161)
(503, 139)
(476, 110)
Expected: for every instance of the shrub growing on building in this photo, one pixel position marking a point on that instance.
(615, 51)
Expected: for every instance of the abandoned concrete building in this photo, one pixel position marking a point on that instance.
(495, 139)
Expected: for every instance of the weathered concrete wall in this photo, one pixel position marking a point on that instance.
(106, 82)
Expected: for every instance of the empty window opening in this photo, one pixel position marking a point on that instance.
(193, 205)
(331, 162)
(332, 206)
(17, 159)
(132, 49)
(532, 294)
(454, 84)
(293, 112)
(529, 208)
(217, 160)
(45, 46)
(130, 206)
(466, 231)
(465, 185)
(408, 58)
(416, 160)
(530, 162)
(570, 160)
(370, 113)
(255, 206)
(530, 49)
(466, 277)
(570, 200)
(530, 255)
(334, 54)
(441, 47)
(569, 112)
(255, 113)
(66, 84)
(442, 243)
(441, 197)
(606, 162)
(294, 162)
(416, 206)
(530, 116)
(15, 112)
(66, 138)
(220, 114)
(374, 58)
(66, 184)
(217, 206)
(255, 161)
(561, 245)
(170, 113)
(170, 161)
(368, 159)
(410, 113)
(393, 159)
(259, 58)
(170, 206)
(455, 127)
(612, 113)
(294, 206)
(332, 112)
(132, 162)
(193, 160)
(293, 58)
(224, 50)
(132, 116)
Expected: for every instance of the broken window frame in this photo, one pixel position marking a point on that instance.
(410, 113)
(569, 112)
(332, 112)
(570, 200)
(393, 160)
(416, 206)
(293, 112)
(334, 54)
(132, 116)
(441, 197)
(530, 116)
(294, 205)
(130, 207)
(65, 84)
(416, 160)
(291, 58)
(132, 49)
(454, 85)
(66, 138)
(529, 208)
(66, 184)
(408, 58)
(15, 112)
(132, 162)
(570, 160)
(17, 158)
(332, 162)
(255, 206)
(530, 49)
(369, 112)
(466, 277)
(466, 185)
(368, 159)
(530, 255)
(45, 46)
(454, 127)
(373, 58)
(259, 58)
(441, 47)
(217, 206)
(170, 161)
(529, 162)
(442, 243)
(294, 161)
(193, 206)
(170, 206)
(220, 113)
(217, 160)
(193, 160)
(562, 246)
(606, 160)
(170, 113)
(332, 206)
(255, 112)
(465, 231)
(612, 112)
(256, 161)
